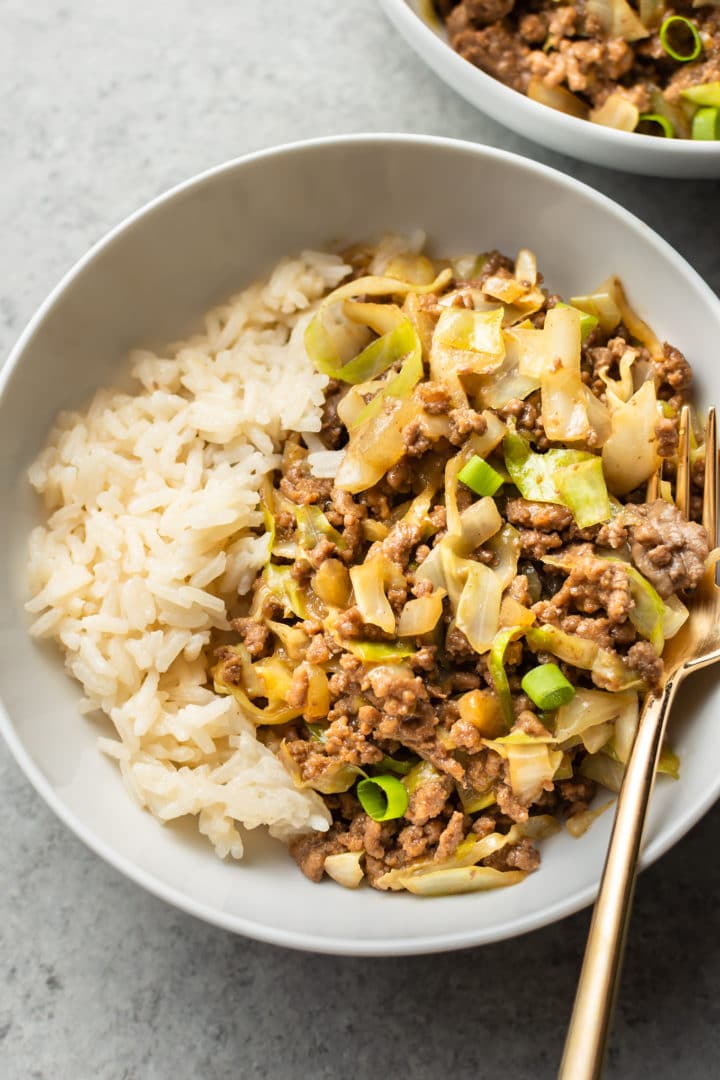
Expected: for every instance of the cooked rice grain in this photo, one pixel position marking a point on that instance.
(151, 497)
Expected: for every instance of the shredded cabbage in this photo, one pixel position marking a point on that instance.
(313, 526)
(607, 668)
(345, 868)
(578, 824)
(564, 409)
(476, 524)
(478, 609)
(376, 446)
(467, 342)
(617, 111)
(583, 490)
(590, 708)
(368, 583)
(531, 763)
(505, 547)
(496, 668)
(617, 19)
(601, 305)
(557, 97)
(630, 454)
(534, 474)
(420, 616)
(461, 880)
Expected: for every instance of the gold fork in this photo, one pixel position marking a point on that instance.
(696, 645)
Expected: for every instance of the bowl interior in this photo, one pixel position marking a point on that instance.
(150, 282)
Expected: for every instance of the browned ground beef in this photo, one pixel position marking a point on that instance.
(667, 549)
(415, 711)
(562, 44)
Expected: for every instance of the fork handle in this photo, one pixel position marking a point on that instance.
(589, 1028)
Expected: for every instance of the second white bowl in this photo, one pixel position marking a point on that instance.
(646, 154)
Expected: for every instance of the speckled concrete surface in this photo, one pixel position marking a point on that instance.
(103, 106)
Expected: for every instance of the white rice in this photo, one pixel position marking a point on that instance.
(151, 497)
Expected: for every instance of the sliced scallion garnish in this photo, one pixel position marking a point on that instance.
(703, 94)
(706, 124)
(480, 477)
(547, 687)
(647, 120)
(685, 36)
(383, 798)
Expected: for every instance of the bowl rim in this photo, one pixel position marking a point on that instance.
(347, 946)
(400, 12)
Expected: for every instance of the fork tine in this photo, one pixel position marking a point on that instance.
(682, 482)
(653, 485)
(710, 507)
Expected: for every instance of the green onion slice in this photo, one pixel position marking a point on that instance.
(547, 687)
(677, 26)
(480, 477)
(706, 124)
(650, 119)
(703, 94)
(383, 798)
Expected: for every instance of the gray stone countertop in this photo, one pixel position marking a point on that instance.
(102, 106)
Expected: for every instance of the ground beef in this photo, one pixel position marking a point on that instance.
(673, 375)
(496, 50)
(666, 431)
(347, 740)
(311, 850)
(535, 544)
(509, 804)
(428, 800)
(254, 634)
(418, 437)
(465, 422)
(612, 535)
(530, 724)
(398, 691)
(649, 666)
(576, 794)
(667, 549)
(520, 591)
(417, 841)
(457, 646)
(547, 517)
(592, 585)
(450, 837)
(520, 856)
(400, 541)
(435, 398)
(533, 28)
(333, 431)
(484, 12)
(302, 488)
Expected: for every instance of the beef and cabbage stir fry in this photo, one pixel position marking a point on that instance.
(635, 65)
(466, 592)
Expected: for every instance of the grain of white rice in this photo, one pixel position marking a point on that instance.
(150, 498)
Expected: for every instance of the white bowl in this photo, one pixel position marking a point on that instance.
(149, 281)
(645, 154)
